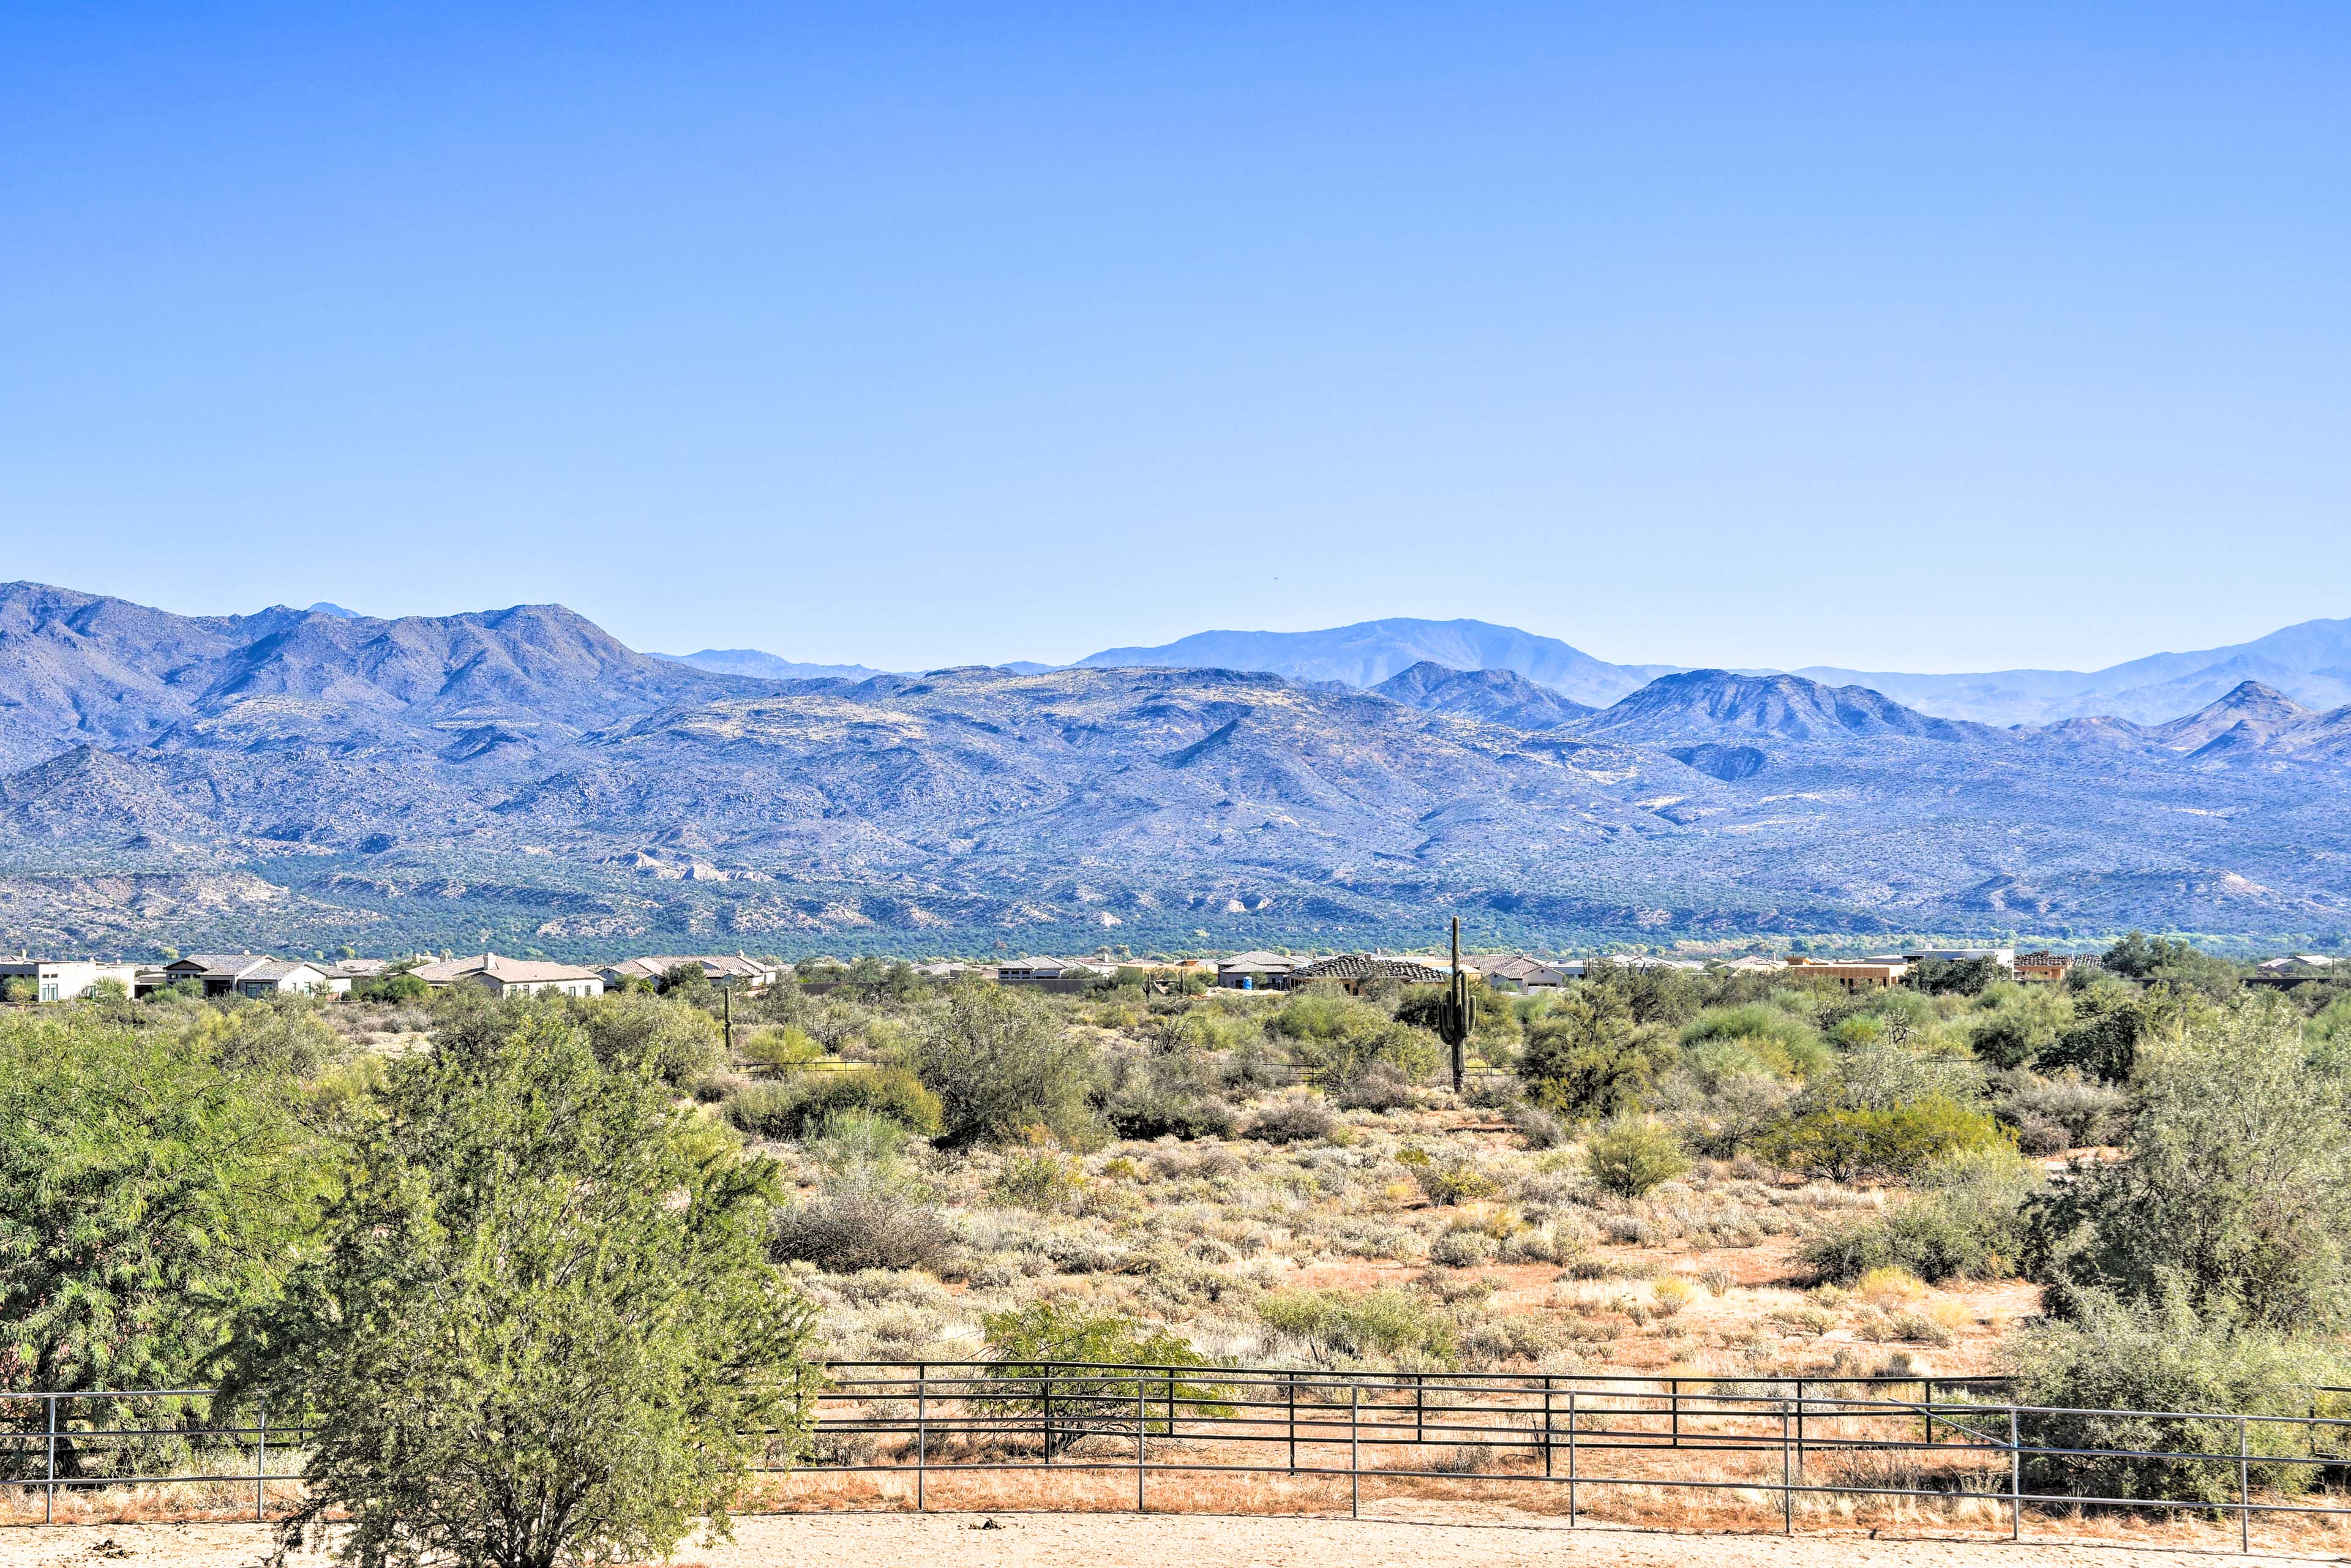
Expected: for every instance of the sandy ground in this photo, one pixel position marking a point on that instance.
(1069, 1541)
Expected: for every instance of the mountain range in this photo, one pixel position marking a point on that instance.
(2311, 663)
(520, 778)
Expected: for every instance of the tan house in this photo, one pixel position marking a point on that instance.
(1354, 970)
(1520, 973)
(745, 974)
(1853, 974)
(513, 977)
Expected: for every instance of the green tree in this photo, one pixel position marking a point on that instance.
(1588, 1058)
(1000, 1062)
(1059, 1342)
(543, 1327)
(149, 1199)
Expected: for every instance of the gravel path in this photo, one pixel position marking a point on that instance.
(1102, 1541)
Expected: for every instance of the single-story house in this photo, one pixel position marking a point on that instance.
(253, 974)
(1520, 973)
(1352, 970)
(2043, 967)
(1257, 971)
(63, 979)
(1853, 974)
(513, 977)
(2004, 956)
(745, 974)
(1751, 965)
(1032, 970)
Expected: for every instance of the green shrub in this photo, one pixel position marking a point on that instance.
(2237, 1187)
(2160, 1355)
(1157, 1114)
(1000, 1062)
(1633, 1156)
(1965, 1220)
(861, 1224)
(1459, 1181)
(792, 1109)
(1061, 1340)
(1849, 1144)
(1768, 1037)
(1587, 1058)
(1298, 1120)
(677, 1042)
(400, 987)
(1354, 1325)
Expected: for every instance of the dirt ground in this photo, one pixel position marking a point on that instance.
(1079, 1540)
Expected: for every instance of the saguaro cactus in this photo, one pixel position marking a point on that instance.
(1457, 1015)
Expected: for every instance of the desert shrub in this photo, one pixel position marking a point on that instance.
(776, 1047)
(862, 1225)
(1042, 1176)
(792, 1109)
(1391, 1049)
(2002, 1040)
(1339, 1324)
(1965, 1220)
(2090, 1113)
(288, 1038)
(1379, 1089)
(1324, 1013)
(999, 1061)
(1058, 1340)
(1844, 1145)
(1671, 1295)
(1491, 1091)
(1454, 1181)
(1753, 1036)
(1157, 1112)
(2237, 1190)
(2161, 1355)
(1588, 1058)
(1633, 1156)
(676, 1042)
(400, 987)
(2103, 1039)
(1540, 1129)
(1301, 1119)
(1462, 1249)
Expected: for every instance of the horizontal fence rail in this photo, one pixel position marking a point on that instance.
(1769, 1441)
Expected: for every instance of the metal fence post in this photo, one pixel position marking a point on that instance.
(1571, 1455)
(1292, 1384)
(49, 1500)
(1139, 1507)
(922, 1437)
(1546, 1428)
(2015, 1477)
(260, 1455)
(1419, 1385)
(1354, 1451)
(1046, 1420)
(1800, 1428)
(1674, 1398)
(2244, 1490)
(1787, 1480)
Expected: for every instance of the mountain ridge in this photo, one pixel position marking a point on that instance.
(520, 778)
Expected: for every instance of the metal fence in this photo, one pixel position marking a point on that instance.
(1773, 1442)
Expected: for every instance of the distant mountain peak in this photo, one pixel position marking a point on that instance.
(1371, 652)
(326, 608)
(1700, 703)
(1497, 697)
(767, 666)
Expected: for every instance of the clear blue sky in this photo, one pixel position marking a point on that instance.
(1888, 336)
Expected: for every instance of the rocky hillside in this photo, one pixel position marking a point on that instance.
(519, 777)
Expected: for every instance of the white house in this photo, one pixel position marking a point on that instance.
(63, 979)
(253, 974)
(721, 968)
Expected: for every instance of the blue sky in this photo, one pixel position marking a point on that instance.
(1890, 337)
